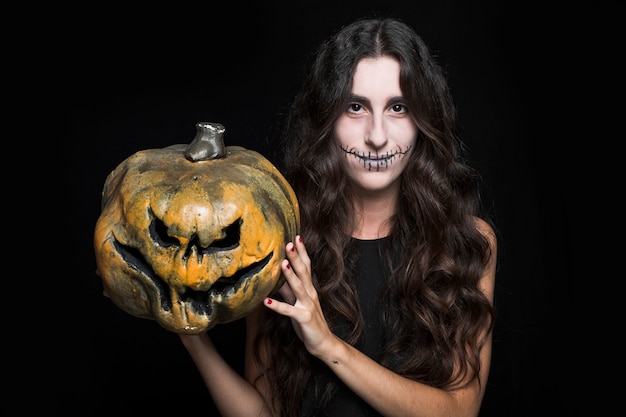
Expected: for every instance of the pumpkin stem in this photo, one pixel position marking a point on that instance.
(208, 142)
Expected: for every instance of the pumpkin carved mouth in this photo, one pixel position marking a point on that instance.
(198, 301)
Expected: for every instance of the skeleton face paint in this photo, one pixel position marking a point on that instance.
(376, 162)
(376, 131)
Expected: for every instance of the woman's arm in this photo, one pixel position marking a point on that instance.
(386, 391)
(233, 394)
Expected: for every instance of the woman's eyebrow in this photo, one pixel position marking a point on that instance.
(395, 99)
(360, 99)
(367, 102)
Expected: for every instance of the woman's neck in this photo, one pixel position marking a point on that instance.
(373, 214)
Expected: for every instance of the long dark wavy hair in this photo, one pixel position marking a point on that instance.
(434, 314)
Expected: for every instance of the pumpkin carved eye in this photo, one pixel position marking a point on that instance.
(230, 239)
(192, 236)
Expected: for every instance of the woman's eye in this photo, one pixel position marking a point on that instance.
(399, 108)
(355, 108)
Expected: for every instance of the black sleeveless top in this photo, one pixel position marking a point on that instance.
(371, 276)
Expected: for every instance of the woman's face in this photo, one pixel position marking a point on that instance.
(376, 132)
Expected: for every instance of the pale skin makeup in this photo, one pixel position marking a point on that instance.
(377, 134)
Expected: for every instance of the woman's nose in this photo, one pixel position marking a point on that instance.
(376, 135)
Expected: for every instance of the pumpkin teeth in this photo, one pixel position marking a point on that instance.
(198, 301)
(201, 302)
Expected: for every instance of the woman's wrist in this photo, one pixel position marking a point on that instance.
(191, 341)
(331, 351)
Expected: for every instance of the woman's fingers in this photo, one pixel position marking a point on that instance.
(287, 294)
(293, 279)
(301, 248)
(298, 290)
(297, 254)
(300, 262)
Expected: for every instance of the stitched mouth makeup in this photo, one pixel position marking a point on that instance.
(376, 162)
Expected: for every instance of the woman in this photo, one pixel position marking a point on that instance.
(387, 307)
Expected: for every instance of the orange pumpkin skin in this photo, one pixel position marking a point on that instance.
(191, 244)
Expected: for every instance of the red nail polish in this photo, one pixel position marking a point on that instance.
(293, 248)
(300, 239)
(288, 266)
(269, 301)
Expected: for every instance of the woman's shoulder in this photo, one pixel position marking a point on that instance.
(489, 275)
(486, 230)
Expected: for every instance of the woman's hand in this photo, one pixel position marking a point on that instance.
(301, 299)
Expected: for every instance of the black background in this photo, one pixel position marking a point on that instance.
(142, 79)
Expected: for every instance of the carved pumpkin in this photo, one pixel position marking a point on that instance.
(192, 236)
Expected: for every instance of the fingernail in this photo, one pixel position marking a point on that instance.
(268, 300)
(300, 239)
